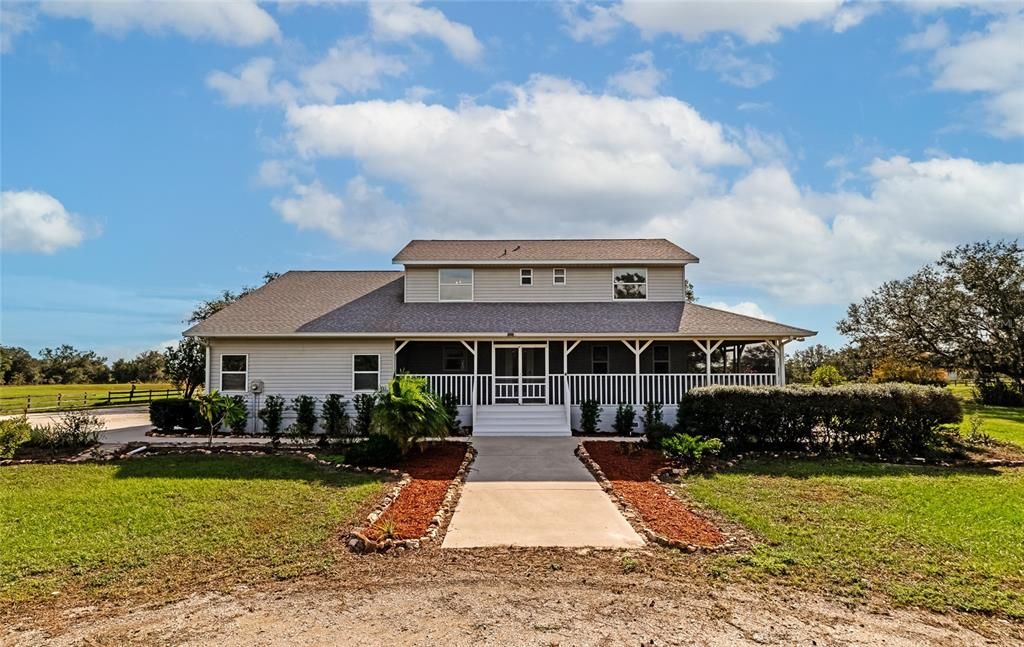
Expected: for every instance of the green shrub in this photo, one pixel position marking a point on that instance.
(656, 432)
(167, 414)
(900, 370)
(827, 375)
(363, 403)
(237, 415)
(304, 407)
(995, 391)
(71, 430)
(377, 451)
(334, 417)
(272, 415)
(887, 418)
(450, 402)
(652, 413)
(590, 415)
(407, 412)
(14, 432)
(625, 419)
(692, 450)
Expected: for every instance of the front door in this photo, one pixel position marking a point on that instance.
(520, 374)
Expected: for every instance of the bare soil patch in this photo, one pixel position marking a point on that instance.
(509, 597)
(432, 470)
(629, 469)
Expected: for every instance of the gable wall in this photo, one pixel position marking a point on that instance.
(583, 284)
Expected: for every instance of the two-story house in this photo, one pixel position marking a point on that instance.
(520, 331)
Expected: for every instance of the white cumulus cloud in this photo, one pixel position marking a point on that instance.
(732, 68)
(640, 78)
(239, 22)
(363, 217)
(400, 20)
(37, 222)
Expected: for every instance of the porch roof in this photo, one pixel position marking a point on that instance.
(371, 303)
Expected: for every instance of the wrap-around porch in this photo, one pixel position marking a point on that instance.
(566, 372)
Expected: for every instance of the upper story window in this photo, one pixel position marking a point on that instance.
(629, 283)
(558, 276)
(526, 276)
(455, 285)
(234, 372)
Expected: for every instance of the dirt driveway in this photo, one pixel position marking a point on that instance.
(509, 597)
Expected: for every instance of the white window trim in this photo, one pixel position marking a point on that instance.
(604, 361)
(355, 372)
(523, 273)
(244, 389)
(472, 285)
(565, 276)
(646, 283)
(667, 360)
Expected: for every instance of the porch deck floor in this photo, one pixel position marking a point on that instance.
(534, 492)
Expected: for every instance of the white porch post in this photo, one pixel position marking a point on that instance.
(567, 391)
(708, 349)
(637, 351)
(781, 359)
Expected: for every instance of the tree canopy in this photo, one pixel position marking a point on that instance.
(965, 311)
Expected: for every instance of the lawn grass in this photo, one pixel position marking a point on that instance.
(937, 537)
(1005, 424)
(161, 524)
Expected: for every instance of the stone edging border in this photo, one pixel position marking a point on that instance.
(637, 521)
(358, 541)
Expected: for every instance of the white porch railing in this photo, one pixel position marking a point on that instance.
(611, 389)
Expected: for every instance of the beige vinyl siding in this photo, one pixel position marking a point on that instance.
(313, 367)
(582, 284)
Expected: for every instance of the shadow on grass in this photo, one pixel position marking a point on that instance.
(222, 467)
(801, 468)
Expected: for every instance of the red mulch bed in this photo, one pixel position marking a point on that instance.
(432, 471)
(630, 476)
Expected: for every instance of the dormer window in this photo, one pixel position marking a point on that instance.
(526, 276)
(558, 276)
(629, 283)
(455, 285)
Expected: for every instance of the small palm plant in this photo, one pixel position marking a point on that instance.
(215, 408)
(406, 411)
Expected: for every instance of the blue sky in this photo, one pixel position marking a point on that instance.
(155, 153)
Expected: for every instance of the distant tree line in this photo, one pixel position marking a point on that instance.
(68, 365)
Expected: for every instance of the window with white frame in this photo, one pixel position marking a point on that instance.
(558, 276)
(454, 359)
(455, 284)
(365, 372)
(234, 372)
(599, 360)
(629, 283)
(526, 276)
(662, 358)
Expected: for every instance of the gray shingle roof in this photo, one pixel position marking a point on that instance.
(353, 303)
(514, 251)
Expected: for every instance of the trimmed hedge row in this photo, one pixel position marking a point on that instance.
(883, 418)
(175, 412)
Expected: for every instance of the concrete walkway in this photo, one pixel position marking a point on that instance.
(534, 492)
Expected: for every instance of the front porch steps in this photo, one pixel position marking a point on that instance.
(521, 420)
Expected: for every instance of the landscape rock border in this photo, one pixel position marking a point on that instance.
(636, 519)
(359, 542)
